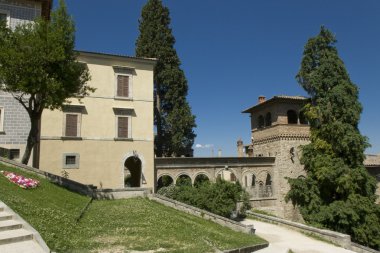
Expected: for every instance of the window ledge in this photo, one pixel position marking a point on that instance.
(74, 167)
(123, 139)
(123, 98)
(71, 138)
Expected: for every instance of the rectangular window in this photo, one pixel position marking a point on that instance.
(71, 128)
(123, 127)
(1, 119)
(70, 161)
(122, 86)
(4, 16)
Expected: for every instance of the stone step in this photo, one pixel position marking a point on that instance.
(22, 247)
(9, 225)
(16, 235)
(5, 216)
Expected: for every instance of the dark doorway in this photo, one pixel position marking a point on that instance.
(133, 172)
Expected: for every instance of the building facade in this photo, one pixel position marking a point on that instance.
(105, 139)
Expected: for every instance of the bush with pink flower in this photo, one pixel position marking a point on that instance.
(21, 181)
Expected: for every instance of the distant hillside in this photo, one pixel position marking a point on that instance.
(114, 225)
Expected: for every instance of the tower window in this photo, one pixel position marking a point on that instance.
(261, 121)
(268, 119)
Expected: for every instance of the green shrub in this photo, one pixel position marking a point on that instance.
(219, 198)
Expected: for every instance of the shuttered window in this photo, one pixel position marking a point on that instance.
(122, 127)
(122, 86)
(71, 125)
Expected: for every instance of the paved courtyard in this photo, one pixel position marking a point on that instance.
(282, 239)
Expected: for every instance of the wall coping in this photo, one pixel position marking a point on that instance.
(177, 162)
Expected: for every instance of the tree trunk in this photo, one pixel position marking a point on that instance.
(32, 137)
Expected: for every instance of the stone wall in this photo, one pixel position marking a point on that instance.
(16, 124)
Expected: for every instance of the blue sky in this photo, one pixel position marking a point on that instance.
(232, 51)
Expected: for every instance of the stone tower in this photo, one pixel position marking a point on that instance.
(278, 129)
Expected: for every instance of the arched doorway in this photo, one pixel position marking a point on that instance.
(132, 167)
(164, 181)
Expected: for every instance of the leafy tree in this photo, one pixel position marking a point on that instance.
(337, 193)
(172, 113)
(39, 67)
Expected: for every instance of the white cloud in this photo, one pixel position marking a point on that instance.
(204, 146)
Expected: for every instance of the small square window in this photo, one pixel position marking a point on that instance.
(70, 161)
(14, 154)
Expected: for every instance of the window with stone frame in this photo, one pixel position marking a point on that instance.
(1, 119)
(4, 16)
(123, 86)
(123, 127)
(70, 161)
(72, 125)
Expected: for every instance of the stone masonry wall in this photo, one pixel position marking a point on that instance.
(16, 122)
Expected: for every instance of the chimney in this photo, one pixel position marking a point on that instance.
(219, 153)
(261, 99)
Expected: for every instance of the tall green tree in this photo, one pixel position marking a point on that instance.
(172, 113)
(338, 193)
(39, 67)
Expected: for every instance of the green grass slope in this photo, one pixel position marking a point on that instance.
(114, 225)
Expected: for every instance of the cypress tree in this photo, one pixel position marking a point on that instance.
(338, 193)
(172, 113)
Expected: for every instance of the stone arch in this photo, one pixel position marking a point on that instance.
(123, 169)
(164, 181)
(183, 179)
(201, 178)
(261, 121)
(268, 119)
(292, 117)
(230, 170)
(133, 175)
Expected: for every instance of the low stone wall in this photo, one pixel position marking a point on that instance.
(248, 249)
(340, 239)
(362, 249)
(121, 193)
(248, 229)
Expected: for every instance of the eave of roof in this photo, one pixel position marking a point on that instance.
(141, 59)
(273, 99)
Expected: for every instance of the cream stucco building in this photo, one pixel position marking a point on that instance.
(108, 136)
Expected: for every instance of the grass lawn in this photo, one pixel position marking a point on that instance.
(114, 225)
